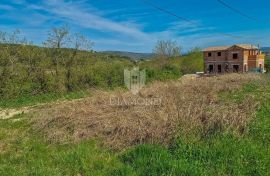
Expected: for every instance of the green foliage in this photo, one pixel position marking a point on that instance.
(173, 68)
(28, 71)
(62, 67)
(166, 73)
(33, 73)
(192, 63)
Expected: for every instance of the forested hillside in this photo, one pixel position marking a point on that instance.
(132, 55)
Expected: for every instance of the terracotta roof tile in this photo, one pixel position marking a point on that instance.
(222, 48)
(247, 46)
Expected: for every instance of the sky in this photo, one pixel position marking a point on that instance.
(136, 26)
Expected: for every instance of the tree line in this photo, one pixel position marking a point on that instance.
(66, 63)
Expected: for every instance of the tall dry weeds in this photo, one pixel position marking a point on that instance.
(187, 106)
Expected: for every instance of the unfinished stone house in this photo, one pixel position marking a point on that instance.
(238, 58)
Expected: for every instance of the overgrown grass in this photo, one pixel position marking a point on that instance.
(123, 126)
(218, 154)
(25, 153)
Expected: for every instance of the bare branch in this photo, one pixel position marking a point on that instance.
(167, 48)
(58, 38)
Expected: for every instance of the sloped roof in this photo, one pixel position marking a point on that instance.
(247, 46)
(217, 48)
(222, 48)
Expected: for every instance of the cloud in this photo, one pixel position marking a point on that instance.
(124, 33)
(83, 15)
(77, 13)
(189, 27)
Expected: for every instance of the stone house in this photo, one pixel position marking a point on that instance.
(238, 58)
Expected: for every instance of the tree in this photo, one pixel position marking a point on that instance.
(58, 38)
(167, 48)
(78, 42)
(13, 38)
(10, 39)
(195, 50)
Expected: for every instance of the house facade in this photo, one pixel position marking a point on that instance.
(233, 59)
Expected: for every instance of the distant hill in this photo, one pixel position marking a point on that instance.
(266, 50)
(134, 56)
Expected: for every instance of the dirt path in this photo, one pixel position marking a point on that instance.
(11, 112)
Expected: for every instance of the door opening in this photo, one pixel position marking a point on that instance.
(211, 68)
(219, 69)
(235, 68)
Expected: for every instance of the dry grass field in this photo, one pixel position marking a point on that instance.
(187, 106)
(199, 126)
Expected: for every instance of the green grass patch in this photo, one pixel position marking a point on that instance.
(42, 98)
(23, 153)
(220, 155)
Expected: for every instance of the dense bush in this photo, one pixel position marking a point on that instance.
(172, 68)
(29, 70)
(168, 72)
(67, 64)
(192, 63)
